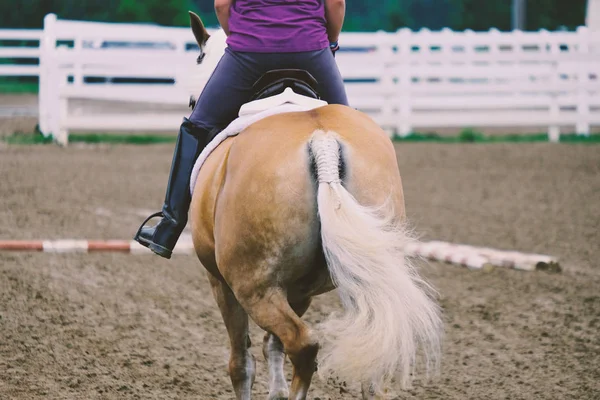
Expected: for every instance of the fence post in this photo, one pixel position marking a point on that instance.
(47, 50)
(384, 53)
(403, 43)
(77, 73)
(59, 106)
(552, 46)
(583, 76)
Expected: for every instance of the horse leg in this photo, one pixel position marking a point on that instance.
(275, 356)
(242, 365)
(272, 312)
(273, 352)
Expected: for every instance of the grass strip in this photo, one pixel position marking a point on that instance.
(147, 139)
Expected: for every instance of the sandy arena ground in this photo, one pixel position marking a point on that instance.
(140, 327)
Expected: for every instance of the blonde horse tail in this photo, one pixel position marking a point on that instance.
(389, 316)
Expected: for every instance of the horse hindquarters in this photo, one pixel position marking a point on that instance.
(387, 310)
(261, 227)
(265, 241)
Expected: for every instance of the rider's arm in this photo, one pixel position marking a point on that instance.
(335, 11)
(222, 9)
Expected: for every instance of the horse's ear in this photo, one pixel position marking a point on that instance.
(198, 28)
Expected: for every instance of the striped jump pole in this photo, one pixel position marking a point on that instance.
(480, 257)
(185, 247)
(459, 254)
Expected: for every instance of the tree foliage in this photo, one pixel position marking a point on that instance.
(30, 13)
(361, 15)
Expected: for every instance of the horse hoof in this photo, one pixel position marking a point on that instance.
(279, 395)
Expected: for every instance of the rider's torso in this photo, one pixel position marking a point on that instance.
(277, 26)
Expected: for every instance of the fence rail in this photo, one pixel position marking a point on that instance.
(405, 80)
(14, 49)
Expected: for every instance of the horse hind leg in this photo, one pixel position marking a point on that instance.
(273, 313)
(273, 352)
(275, 356)
(242, 366)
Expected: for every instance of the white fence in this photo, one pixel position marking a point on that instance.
(17, 51)
(493, 79)
(405, 80)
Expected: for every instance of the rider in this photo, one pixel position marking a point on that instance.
(262, 35)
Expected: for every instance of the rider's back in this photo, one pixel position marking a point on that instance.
(276, 26)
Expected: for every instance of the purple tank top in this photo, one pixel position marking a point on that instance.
(277, 26)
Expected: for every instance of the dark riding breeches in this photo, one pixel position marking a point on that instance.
(230, 85)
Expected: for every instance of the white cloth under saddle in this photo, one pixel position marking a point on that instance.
(252, 112)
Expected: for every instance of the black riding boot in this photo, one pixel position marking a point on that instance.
(161, 238)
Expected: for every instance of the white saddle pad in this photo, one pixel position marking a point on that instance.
(253, 112)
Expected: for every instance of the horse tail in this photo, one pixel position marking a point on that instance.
(388, 310)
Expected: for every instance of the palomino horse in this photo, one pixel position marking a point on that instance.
(296, 205)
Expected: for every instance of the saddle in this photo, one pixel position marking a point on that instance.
(283, 86)
(274, 82)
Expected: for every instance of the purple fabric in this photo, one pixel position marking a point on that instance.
(277, 26)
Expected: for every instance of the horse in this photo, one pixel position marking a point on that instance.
(296, 205)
